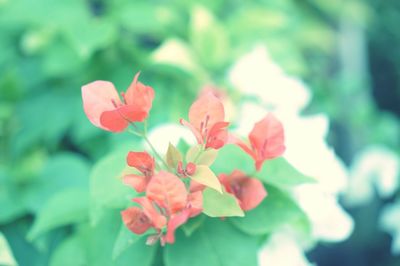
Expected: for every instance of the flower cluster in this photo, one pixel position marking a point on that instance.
(172, 187)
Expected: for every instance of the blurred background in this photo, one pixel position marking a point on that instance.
(329, 69)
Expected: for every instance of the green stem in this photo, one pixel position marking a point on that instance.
(144, 136)
(155, 152)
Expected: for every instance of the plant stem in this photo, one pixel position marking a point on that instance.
(155, 152)
(144, 136)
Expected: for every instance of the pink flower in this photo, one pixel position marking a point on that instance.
(168, 191)
(206, 121)
(266, 140)
(105, 109)
(249, 191)
(144, 163)
(167, 204)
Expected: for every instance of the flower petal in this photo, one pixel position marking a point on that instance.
(136, 220)
(157, 219)
(218, 135)
(206, 106)
(139, 95)
(168, 191)
(138, 182)
(113, 121)
(142, 161)
(267, 139)
(253, 192)
(195, 132)
(241, 144)
(98, 97)
(175, 221)
(195, 203)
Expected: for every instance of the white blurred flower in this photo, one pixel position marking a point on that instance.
(164, 134)
(281, 249)
(390, 222)
(6, 257)
(305, 139)
(256, 74)
(375, 168)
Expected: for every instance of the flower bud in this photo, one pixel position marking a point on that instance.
(190, 168)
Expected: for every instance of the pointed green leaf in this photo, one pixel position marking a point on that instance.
(230, 158)
(275, 211)
(69, 206)
(124, 240)
(173, 156)
(218, 243)
(281, 173)
(193, 224)
(220, 205)
(205, 176)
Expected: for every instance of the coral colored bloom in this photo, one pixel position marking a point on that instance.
(266, 140)
(206, 121)
(193, 208)
(168, 191)
(157, 219)
(144, 163)
(105, 109)
(249, 191)
(136, 220)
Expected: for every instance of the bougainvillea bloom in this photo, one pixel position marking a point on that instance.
(144, 163)
(168, 191)
(206, 121)
(266, 140)
(249, 191)
(136, 220)
(193, 208)
(104, 107)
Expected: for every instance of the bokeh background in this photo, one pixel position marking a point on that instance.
(329, 69)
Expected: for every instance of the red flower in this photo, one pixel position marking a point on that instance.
(167, 204)
(140, 220)
(105, 109)
(266, 140)
(193, 208)
(249, 191)
(168, 191)
(206, 121)
(144, 163)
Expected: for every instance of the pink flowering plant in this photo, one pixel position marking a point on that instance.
(242, 184)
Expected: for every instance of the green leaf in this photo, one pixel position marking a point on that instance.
(220, 205)
(216, 244)
(230, 158)
(99, 242)
(124, 240)
(279, 172)
(67, 207)
(177, 53)
(6, 256)
(197, 155)
(70, 252)
(106, 187)
(275, 211)
(173, 156)
(208, 37)
(205, 176)
(193, 224)
(61, 172)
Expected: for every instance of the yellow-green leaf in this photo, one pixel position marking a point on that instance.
(205, 176)
(220, 204)
(173, 156)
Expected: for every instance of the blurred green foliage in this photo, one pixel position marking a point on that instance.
(49, 49)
